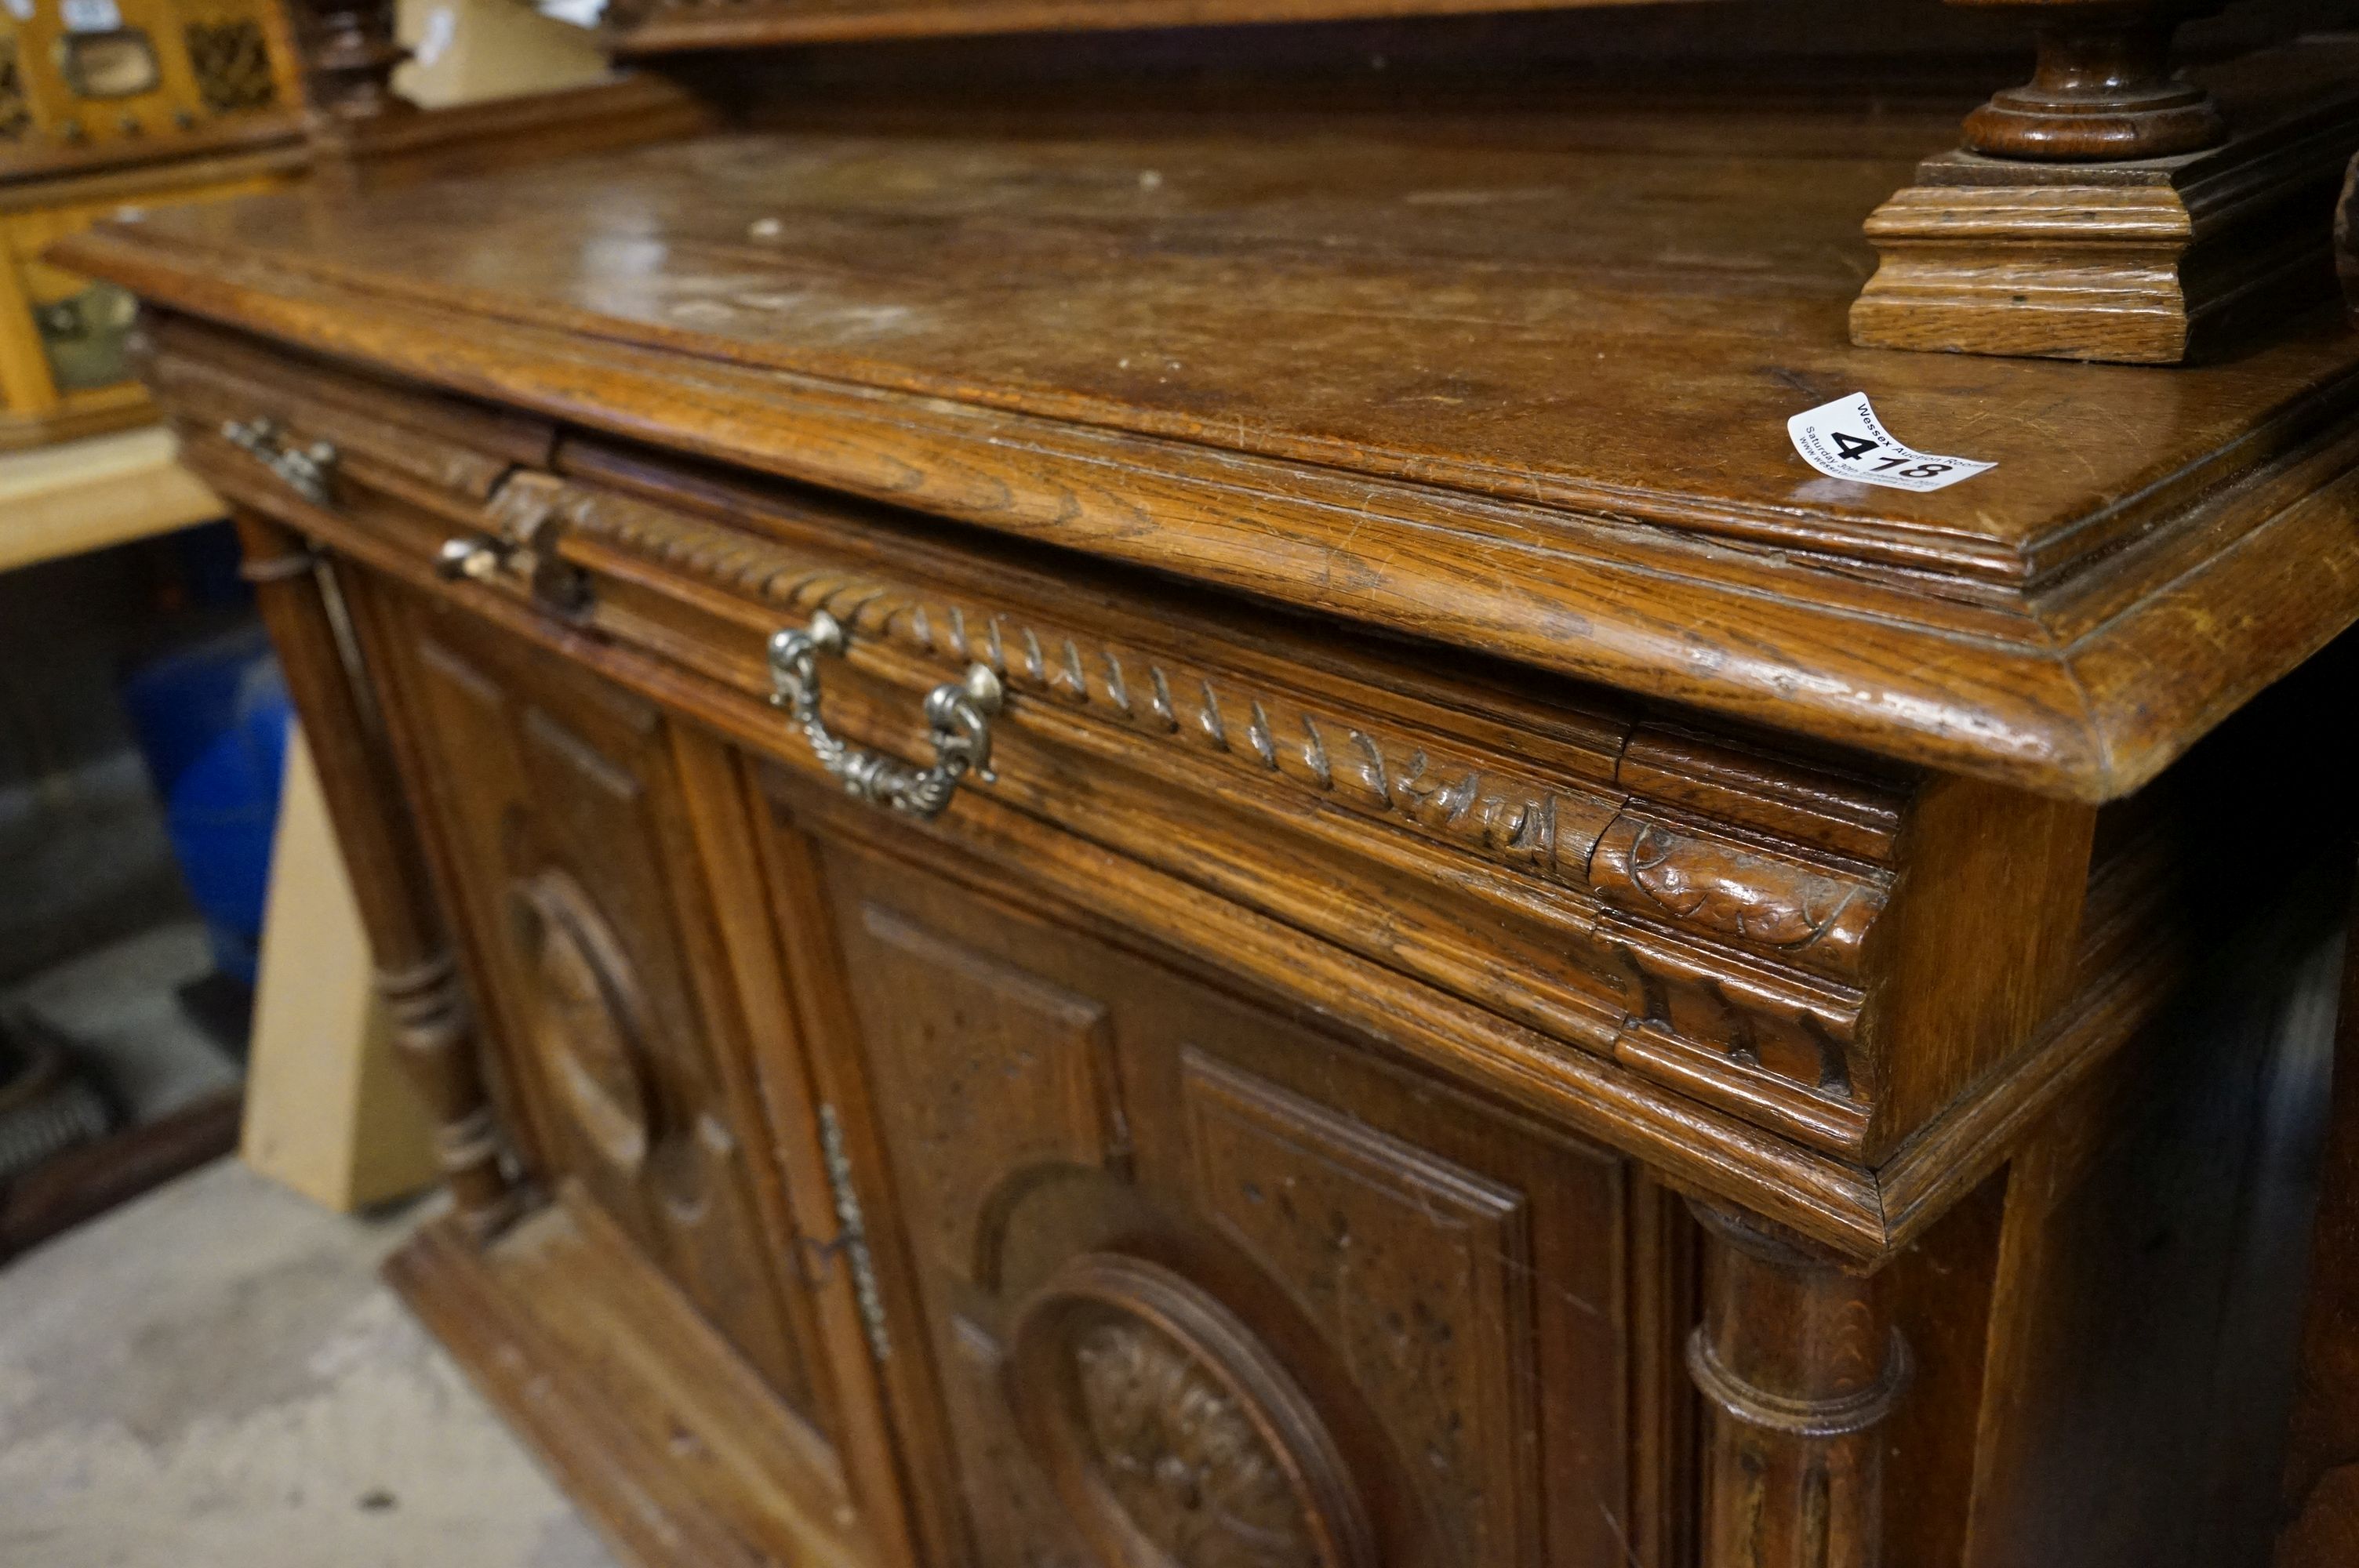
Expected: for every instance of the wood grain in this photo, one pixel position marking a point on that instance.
(651, 27)
(1460, 792)
(1664, 555)
(2119, 982)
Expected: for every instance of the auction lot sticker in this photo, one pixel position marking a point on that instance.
(1844, 439)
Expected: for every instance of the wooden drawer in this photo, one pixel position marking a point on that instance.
(1748, 963)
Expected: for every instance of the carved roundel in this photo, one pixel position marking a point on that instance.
(589, 1026)
(1174, 1437)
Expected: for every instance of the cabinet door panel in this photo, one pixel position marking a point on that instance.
(1207, 1287)
(561, 803)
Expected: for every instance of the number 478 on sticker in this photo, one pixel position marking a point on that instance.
(1844, 439)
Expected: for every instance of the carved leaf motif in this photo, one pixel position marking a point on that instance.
(1171, 1433)
(1760, 899)
(1183, 1460)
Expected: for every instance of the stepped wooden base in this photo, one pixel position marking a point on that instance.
(2153, 261)
(643, 1415)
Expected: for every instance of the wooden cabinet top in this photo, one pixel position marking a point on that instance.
(646, 27)
(1516, 385)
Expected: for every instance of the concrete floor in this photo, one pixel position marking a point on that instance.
(213, 1378)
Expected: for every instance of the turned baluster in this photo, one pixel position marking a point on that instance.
(349, 57)
(1798, 1366)
(424, 998)
(2105, 88)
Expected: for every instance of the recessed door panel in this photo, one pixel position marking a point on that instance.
(1202, 1286)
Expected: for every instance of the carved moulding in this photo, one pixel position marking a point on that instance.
(1732, 950)
(588, 1024)
(1810, 913)
(1702, 881)
(1173, 1436)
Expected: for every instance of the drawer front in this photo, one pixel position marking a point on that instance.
(1200, 1285)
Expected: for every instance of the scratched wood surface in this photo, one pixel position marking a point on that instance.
(1279, 1080)
(1532, 397)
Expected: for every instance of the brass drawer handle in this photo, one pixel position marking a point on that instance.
(305, 470)
(958, 714)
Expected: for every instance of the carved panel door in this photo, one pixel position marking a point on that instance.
(1200, 1286)
(589, 839)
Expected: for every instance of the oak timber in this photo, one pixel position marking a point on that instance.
(1351, 368)
(1457, 787)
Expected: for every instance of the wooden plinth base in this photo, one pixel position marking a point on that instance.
(644, 1416)
(2154, 261)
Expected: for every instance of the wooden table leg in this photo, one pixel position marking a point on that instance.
(1799, 1365)
(414, 968)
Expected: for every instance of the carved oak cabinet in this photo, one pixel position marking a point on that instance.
(1131, 841)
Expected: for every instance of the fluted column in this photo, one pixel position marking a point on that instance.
(1799, 1366)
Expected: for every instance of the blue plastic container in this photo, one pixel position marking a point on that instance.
(212, 721)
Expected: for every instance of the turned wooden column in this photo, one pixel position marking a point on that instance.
(415, 973)
(2105, 88)
(349, 57)
(1799, 1366)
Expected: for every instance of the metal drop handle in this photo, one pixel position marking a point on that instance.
(306, 470)
(958, 718)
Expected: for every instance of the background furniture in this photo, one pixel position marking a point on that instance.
(1125, 805)
(102, 112)
(108, 106)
